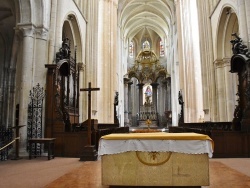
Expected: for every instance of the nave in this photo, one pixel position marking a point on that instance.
(70, 172)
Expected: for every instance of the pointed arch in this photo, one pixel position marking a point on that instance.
(226, 87)
(71, 30)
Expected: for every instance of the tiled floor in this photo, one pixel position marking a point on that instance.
(240, 164)
(39, 172)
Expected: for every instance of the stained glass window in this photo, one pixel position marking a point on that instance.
(131, 49)
(162, 51)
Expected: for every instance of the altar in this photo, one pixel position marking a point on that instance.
(155, 159)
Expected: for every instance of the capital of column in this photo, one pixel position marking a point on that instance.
(41, 32)
(126, 80)
(166, 82)
(218, 63)
(81, 66)
(27, 29)
(140, 85)
(226, 61)
(154, 85)
(30, 30)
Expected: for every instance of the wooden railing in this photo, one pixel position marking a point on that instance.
(102, 132)
(227, 142)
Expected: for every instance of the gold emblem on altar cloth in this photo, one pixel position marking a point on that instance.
(153, 158)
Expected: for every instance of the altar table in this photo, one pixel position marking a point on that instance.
(155, 159)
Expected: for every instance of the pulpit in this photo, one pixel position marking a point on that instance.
(62, 104)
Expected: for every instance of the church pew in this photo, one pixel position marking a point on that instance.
(228, 142)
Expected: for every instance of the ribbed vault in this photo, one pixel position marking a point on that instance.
(146, 17)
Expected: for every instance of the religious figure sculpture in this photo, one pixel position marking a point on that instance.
(180, 98)
(116, 98)
(146, 46)
(64, 51)
(148, 92)
(181, 102)
(116, 101)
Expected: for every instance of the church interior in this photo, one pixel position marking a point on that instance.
(74, 72)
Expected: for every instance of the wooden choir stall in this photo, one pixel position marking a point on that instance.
(232, 139)
(155, 159)
(62, 104)
(62, 108)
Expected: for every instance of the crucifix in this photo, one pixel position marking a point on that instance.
(89, 89)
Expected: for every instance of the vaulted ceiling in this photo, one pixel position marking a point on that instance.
(7, 17)
(7, 25)
(146, 18)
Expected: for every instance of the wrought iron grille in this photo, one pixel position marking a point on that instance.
(35, 116)
(6, 136)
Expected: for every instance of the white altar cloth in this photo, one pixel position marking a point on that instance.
(187, 146)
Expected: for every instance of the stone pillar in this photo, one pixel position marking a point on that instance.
(81, 68)
(167, 94)
(126, 109)
(11, 81)
(26, 81)
(221, 97)
(91, 58)
(107, 59)
(230, 90)
(129, 103)
(140, 87)
(154, 86)
(52, 36)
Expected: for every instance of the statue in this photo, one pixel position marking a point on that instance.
(238, 47)
(116, 101)
(116, 98)
(181, 115)
(64, 51)
(180, 98)
(148, 92)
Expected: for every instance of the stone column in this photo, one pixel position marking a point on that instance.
(155, 92)
(167, 94)
(126, 109)
(129, 103)
(26, 81)
(220, 83)
(90, 49)
(230, 89)
(154, 86)
(11, 81)
(52, 35)
(140, 87)
(107, 59)
(81, 68)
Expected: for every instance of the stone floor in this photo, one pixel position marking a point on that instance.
(40, 172)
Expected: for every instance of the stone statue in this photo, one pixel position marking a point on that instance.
(64, 51)
(180, 98)
(116, 98)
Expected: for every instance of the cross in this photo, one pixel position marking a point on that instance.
(89, 89)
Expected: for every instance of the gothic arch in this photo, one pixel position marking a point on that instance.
(225, 81)
(228, 24)
(71, 30)
(35, 12)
